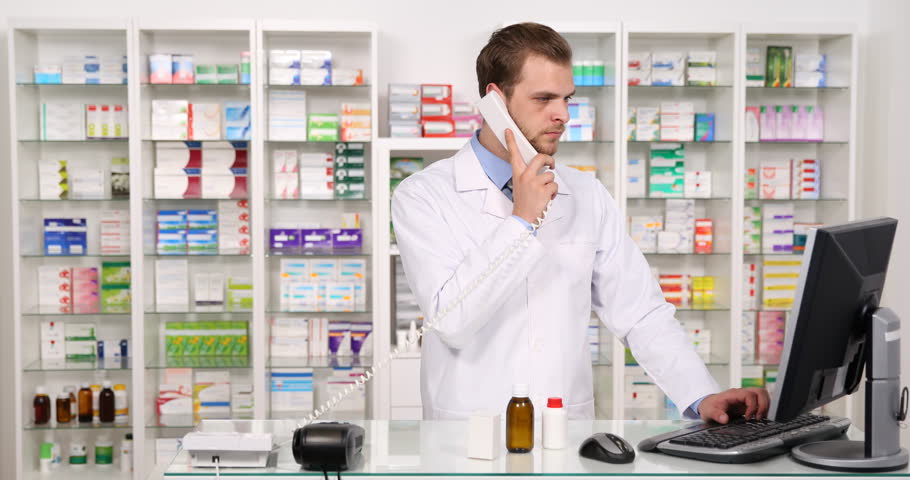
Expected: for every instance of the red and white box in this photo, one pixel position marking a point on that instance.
(677, 289)
(234, 227)
(704, 235)
(55, 289)
(436, 110)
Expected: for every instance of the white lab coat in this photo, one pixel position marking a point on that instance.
(528, 322)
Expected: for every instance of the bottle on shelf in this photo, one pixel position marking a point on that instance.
(96, 391)
(121, 405)
(104, 452)
(42, 406)
(74, 407)
(106, 403)
(520, 420)
(85, 403)
(555, 424)
(78, 454)
(63, 408)
(46, 457)
(126, 453)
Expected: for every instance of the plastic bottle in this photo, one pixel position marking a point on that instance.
(121, 405)
(96, 391)
(74, 407)
(85, 403)
(77, 453)
(46, 457)
(106, 407)
(126, 453)
(63, 408)
(42, 406)
(520, 421)
(104, 452)
(555, 424)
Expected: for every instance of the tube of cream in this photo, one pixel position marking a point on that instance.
(359, 334)
(339, 338)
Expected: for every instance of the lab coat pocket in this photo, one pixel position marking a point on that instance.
(573, 268)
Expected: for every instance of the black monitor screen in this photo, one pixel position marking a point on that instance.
(842, 277)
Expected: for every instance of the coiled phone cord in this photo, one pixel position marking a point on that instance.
(518, 245)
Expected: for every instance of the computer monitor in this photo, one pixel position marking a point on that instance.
(825, 344)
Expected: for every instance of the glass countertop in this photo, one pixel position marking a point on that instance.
(438, 448)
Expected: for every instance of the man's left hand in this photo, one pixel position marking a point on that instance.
(751, 403)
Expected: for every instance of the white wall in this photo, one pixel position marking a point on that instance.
(420, 43)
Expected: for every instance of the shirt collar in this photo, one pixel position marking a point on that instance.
(498, 170)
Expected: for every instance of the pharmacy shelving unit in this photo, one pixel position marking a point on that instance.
(34, 42)
(393, 392)
(209, 42)
(635, 392)
(836, 153)
(399, 388)
(353, 45)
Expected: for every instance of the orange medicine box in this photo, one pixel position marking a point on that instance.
(704, 235)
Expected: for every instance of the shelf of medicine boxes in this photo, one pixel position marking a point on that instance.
(89, 254)
(76, 426)
(75, 200)
(720, 100)
(342, 361)
(193, 309)
(352, 46)
(836, 151)
(201, 362)
(78, 366)
(837, 98)
(87, 140)
(210, 42)
(318, 200)
(71, 85)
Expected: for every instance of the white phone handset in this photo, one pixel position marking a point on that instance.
(496, 114)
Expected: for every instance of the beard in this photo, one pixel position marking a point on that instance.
(547, 148)
(541, 143)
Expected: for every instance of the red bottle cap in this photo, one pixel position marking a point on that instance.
(554, 402)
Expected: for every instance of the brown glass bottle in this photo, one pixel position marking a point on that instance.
(520, 421)
(85, 404)
(106, 403)
(64, 414)
(42, 406)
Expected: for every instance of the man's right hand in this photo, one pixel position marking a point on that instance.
(531, 189)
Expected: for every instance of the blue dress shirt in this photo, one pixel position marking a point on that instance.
(498, 171)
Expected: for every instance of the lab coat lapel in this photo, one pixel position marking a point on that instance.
(469, 176)
(561, 204)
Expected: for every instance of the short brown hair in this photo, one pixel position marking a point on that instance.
(501, 60)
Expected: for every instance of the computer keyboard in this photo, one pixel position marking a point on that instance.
(744, 441)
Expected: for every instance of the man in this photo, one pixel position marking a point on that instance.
(527, 322)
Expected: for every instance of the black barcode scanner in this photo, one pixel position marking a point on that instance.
(328, 446)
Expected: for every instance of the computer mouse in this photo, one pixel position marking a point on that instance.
(606, 447)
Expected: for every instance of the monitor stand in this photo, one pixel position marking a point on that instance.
(881, 450)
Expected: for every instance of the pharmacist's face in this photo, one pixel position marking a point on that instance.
(539, 103)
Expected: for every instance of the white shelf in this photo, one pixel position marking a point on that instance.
(36, 40)
(422, 144)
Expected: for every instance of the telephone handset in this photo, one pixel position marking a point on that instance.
(497, 116)
(495, 113)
